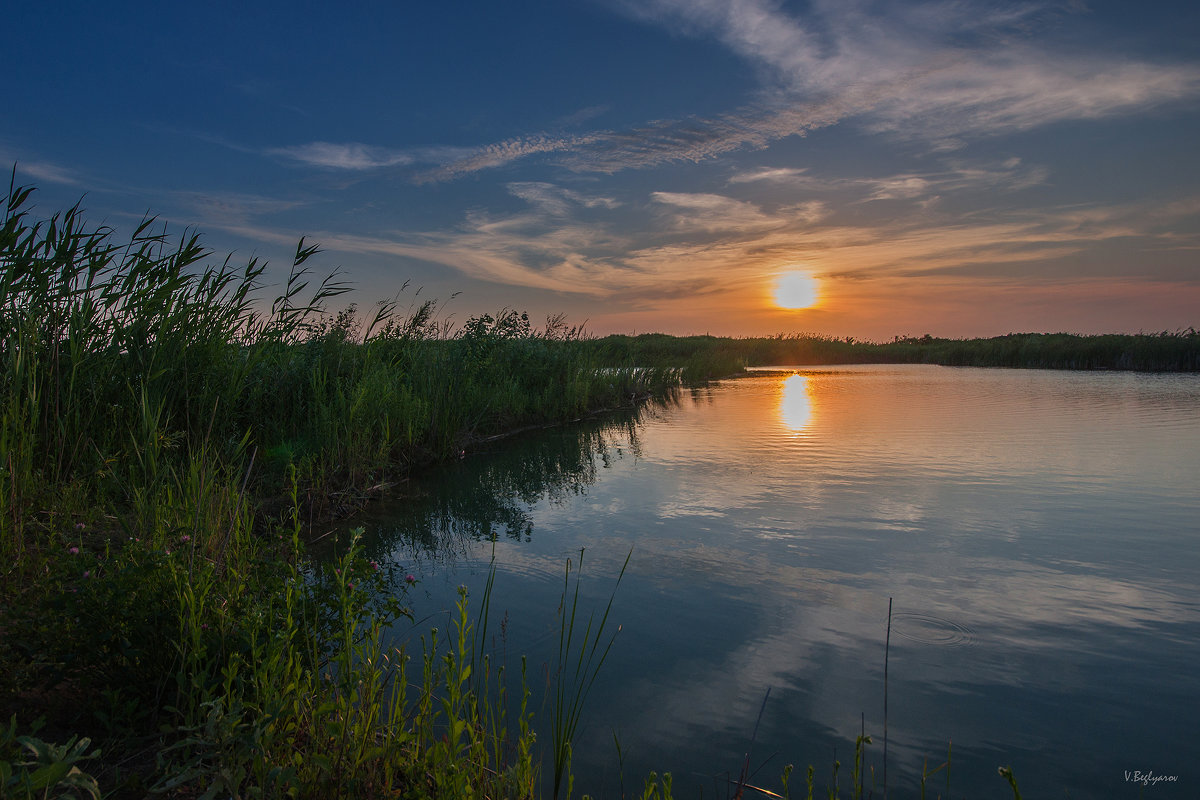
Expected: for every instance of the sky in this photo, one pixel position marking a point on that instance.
(956, 168)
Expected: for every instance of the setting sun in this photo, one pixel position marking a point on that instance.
(795, 290)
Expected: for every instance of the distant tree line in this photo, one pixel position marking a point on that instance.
(709, 356)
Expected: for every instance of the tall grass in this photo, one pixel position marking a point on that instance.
(165, 434)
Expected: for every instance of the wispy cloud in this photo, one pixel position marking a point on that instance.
(770, 174)
(958, 175)
(712, 213)
(583, 115)
(235, 206)
(352, 156)
(501, 153)
(41, 171)
(934, 71)
(556, 200)
(902, 69)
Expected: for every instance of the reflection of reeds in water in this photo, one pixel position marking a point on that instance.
(488, 496)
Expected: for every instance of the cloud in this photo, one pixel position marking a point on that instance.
(959, 175)
(502, 153)
(940, 72)
(352, 156)
(556, 200)
(43, 171)
(583, 115)
(234, 206)
(772, 174)
(704, 249)
(903, 69)
(966, 66)
(711, 213)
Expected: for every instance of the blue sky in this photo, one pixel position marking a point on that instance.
(957, 168)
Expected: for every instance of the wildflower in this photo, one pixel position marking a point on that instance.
(87, 573)
(79, 526)
(185, 538)
(410, 578)
(375, 566)
(203, 626)
(349, 585)
(74, 551)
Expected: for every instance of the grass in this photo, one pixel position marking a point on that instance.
(166, 436)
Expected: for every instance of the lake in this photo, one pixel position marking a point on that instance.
(1037, 534)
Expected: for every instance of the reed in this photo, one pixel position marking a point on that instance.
(580, 658)
(165, 436)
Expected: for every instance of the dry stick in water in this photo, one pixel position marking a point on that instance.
(887, 646)
(745, 776)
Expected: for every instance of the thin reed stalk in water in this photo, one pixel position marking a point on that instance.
(576, 673)
(745, 774)
(887, 646)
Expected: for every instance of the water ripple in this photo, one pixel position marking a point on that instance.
(931, 629)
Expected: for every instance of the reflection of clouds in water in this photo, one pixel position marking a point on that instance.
(898, 515)
(807, 624)
(690, 502)
(762, 558)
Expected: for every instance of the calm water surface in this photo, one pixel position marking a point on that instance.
(1037, 532)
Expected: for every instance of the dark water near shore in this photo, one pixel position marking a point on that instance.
(1038, 533)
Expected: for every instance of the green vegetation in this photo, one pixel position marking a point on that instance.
(704, 357)
(164, 441)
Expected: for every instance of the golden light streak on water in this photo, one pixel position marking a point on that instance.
(795, 403)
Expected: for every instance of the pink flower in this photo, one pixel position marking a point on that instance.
(410, 578)
(79, 526)
(375, 566)
(74, 551)
(185, 538)
(87, 573)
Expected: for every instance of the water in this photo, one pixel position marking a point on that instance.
(1038, 534)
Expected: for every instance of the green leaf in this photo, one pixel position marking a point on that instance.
(49, 775)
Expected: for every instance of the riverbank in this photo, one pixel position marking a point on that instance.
(165, 444)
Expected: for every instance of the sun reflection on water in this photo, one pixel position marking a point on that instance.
(795, 403)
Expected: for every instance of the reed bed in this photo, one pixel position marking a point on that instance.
(166, 435)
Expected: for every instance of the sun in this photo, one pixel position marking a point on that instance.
(795, 290)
